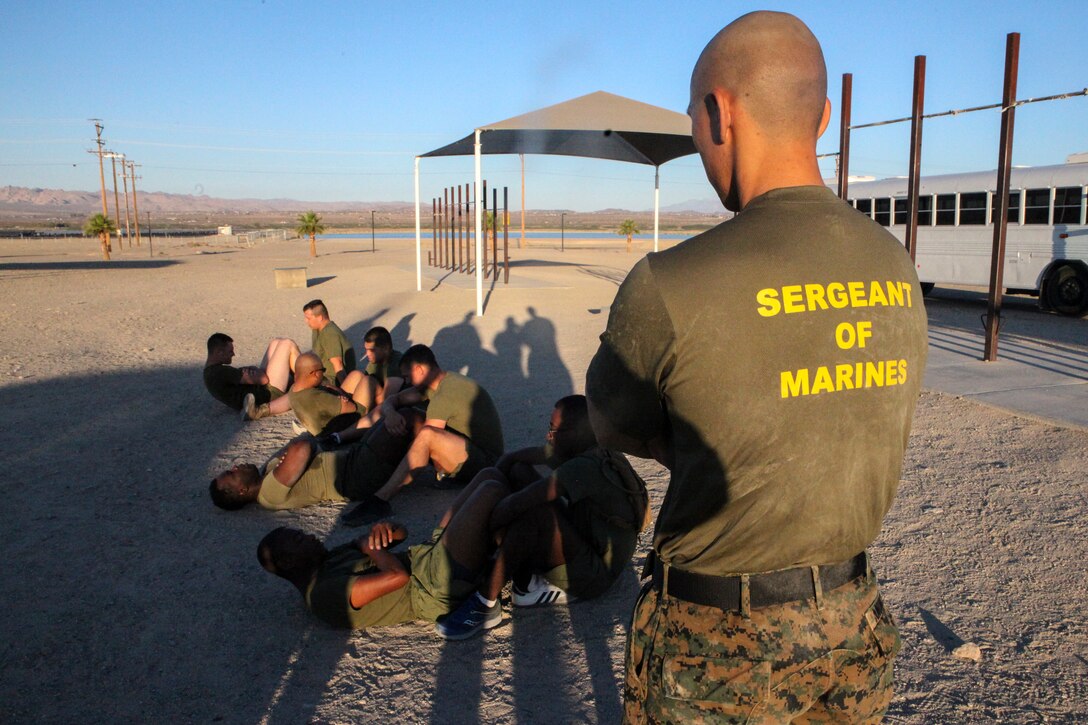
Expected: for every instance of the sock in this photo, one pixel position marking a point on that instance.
(486, 602)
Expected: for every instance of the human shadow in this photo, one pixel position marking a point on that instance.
(122, 580)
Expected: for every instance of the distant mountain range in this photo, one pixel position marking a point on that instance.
(18, 199)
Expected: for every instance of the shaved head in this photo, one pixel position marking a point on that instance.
(306, 363)
(772, 63)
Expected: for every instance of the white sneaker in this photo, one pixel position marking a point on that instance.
(540, 592)
(249, 404)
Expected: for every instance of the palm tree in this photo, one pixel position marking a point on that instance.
(309, 224)
(628, 228)
(100, 226)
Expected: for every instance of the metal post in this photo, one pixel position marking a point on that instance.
(913, 176)
(150, 244)
(372, 248)
(562, 231)
(844, 134)
(521, 241)
(477, 152)
(135, 208)
(116, 200)
(495, 233)
(419, 241)
(460, 231)
(1004, 162)
(128, 220)
(506, 234)
(482, 261)
(434, 232)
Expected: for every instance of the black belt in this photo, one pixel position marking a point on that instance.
(776, 587)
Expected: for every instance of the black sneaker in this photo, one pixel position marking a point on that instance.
(471, 618)
(367, 512)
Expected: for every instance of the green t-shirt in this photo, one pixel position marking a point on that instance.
(388, 369)
(782, 352)
(468, 410)
(330, 342)
(595, 498)
(329, 595)
(317, 484)
(225, 384)
(317, 407)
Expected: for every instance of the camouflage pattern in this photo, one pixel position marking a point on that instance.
(688, 663)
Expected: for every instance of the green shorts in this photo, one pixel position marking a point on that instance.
(478, 459)
(439, 584)
(274, 392)
(584, 575)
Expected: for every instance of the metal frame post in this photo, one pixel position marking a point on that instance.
(914, 175)
(844, 134)
(1001, 223)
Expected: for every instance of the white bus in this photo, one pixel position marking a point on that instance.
(1046, 247)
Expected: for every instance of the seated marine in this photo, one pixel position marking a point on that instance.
(565, 535)
(381, 378)
(362, 584)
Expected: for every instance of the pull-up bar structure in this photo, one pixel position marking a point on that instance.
(1007, 107)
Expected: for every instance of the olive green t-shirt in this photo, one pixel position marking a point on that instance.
(384, 371)
(467, 409)
(225, 384)
(329, 595)
(330, 342)
(317, 484)
(595, 497)
(783, 352)
(316, 407)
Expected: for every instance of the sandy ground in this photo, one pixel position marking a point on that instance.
(129, 597)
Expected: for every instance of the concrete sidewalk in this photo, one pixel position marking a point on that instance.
(1042, 365)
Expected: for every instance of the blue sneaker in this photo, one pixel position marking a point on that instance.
(471, 617)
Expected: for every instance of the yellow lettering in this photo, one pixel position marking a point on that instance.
(836, 295)
(876, 295)
(794, 384)
(891, 372)
(791, 298)
(815, 294)
(906, 292)
(902, 371)
(845, 337)
(823, 382)
(769, 304)
(844, 377)
(874, 374)
(857, 294)
(895, 293)
(865, 331)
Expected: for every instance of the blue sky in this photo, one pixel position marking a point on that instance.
(330, 101)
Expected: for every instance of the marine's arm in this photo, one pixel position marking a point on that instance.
(509, 508)
(295, 460)
(532, 456)
(253, 375)
(391, 574)
(625, 381)
(394, 421)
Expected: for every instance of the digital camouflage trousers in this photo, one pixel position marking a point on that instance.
(792, 662)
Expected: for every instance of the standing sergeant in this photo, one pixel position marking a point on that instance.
(329, 342)
(781, 407)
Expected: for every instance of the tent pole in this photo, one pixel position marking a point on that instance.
(479, 231)
(419, 247)
(657, 201)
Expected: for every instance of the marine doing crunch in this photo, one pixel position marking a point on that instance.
(833, 295)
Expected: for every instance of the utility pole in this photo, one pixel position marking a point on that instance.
(116, 200)
(101, 171)
(128, 221)
(135, 209)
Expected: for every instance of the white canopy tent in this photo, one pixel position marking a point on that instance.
(598, 125)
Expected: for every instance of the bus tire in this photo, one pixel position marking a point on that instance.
(1067, 289)
(927, 287)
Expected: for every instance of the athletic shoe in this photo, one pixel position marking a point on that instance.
(367, 512)
(249, 406)
(471, 617)
(539, 592)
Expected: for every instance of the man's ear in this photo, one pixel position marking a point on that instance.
(718, 115)
(825, 119)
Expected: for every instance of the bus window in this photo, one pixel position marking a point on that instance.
(925, 211)
(973, 208)
(1037, 206)
(902, 209)
(1067, 203)
(946, 210)
(883, 214)
(865, 206)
